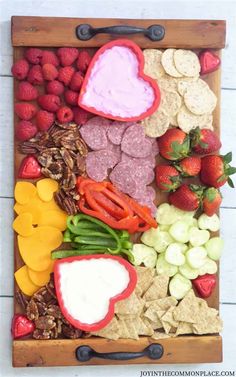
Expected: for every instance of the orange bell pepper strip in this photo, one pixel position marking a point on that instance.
(142, 211)
(129, 223)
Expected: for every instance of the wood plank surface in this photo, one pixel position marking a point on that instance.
(53, 32)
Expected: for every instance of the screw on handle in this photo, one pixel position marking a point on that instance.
(153, 351)
(84, 32)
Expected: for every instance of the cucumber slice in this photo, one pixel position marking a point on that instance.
(144, 254)
(179, 231)
(164, 268)
(198, 237)
(188, 272)
(174, 255)
(196, 256)
(214, 248)
(184, 247)
(209, 222)
(179, 286)
(209, 267)
(168, 214)
(157, 239)
(164, 228)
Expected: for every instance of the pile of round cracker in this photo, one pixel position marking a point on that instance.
(187, 101)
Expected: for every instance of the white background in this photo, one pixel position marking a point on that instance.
(126, 9)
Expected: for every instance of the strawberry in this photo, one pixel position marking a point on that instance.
(35, 75)
(67, 55)
(174, 144)
(187, 197)
(81, 116)
(76, 81)
(20, 69)
(26, 91)
(24, 110)
(204, 141)
(215, 170)
(167, 178)
(211, 201)
(55, 87)
(64, 114)
(25, 130)
(189, 166)
(83, 61)
(34, 55)
(71, 97)
(65, 75)
(44, 120)
(49, 72)
(49, 102)
(49, 57)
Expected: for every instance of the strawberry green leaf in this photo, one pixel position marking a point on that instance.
(230, 182)
(227, 158)
(231, 170)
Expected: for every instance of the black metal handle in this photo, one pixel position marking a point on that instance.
(84, 32)
(153, 351)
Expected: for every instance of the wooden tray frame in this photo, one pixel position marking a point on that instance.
(54, 32)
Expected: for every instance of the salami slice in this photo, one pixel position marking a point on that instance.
(94, 133)
(98, 163)
(116, 131)
(149, 161)
(122, 177)
(134, 142)
(146, 198)
(115, 149)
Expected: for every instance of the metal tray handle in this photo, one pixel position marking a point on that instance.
(84, 32)
(153, 351)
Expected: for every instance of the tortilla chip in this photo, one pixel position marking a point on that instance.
(184, 328)
(166, 326)
(132, 305)
(154, 324)
(123, 331)
(131, 329)
(158, 289)
(145, 277)
(142, 327)
(168, 317)
(159, 335)
(111, 331)
(166, 302)
(188, 308)
(208, 322)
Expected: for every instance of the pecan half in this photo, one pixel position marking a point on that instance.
(32, 310)
(46, 322)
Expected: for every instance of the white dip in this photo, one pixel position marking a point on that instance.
(87, 286)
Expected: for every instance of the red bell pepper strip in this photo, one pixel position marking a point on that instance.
(83, 182)
(108, 205)
(205, 284)
(129, 223)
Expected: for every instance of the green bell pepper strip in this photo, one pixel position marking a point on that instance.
(59, 254)
(87, 240)
(74, 228)
(67, 236)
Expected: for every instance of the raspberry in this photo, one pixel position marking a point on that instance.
(26, 91)
(49, 102)
(71, 97)
(35, 75)
(67, 55)
(24, 110)
(65, 75)
(81, 116)
(20, 69)
(83, 61)
(76, 81)
(64, 114)
(55, 87)
(44, 120)
(49, 57)
(34, 55)
(49, 72)
(25, 130)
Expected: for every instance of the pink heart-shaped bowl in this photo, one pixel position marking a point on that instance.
(115, 85)
(88, 287)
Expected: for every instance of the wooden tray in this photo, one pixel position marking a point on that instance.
(55, 32)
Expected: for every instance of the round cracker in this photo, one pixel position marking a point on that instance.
(170, 102)
(167, 83)
(199, 99)
(187, 62)
(167, 60)
(188, 121)
(183, 85)
(156, 125)
(152, 63)
(174, 121)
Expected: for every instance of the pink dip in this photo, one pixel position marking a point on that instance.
(114, 86)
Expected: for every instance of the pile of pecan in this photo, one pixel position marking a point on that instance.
(61, 152)
(44, 311)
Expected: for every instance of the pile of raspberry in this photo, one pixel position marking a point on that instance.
(48, 91)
